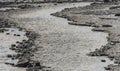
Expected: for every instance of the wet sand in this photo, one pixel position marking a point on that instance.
(64, 47)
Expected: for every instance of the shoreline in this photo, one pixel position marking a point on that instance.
(96, 28)
(31, 63)
(24, 49)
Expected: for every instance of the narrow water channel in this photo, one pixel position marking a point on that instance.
(64, 46)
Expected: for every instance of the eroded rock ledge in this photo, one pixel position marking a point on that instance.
(104, 17)
(24, 50)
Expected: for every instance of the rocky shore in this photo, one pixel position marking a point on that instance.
(60, 55)
(103, 17)
(24, 50)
